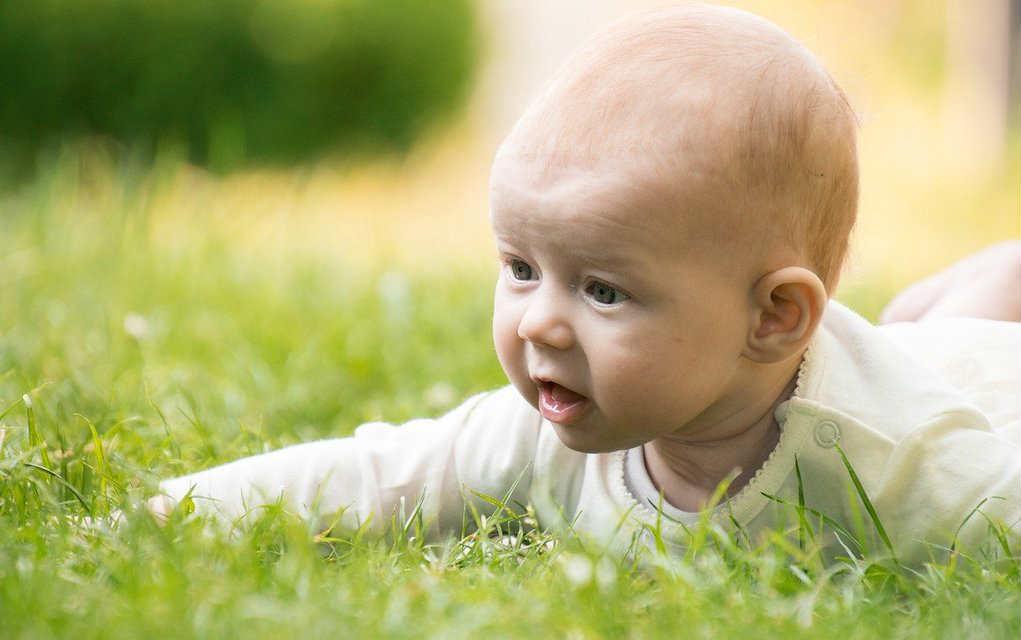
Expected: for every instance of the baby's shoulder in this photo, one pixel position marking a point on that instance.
(896, 378)
(979, 358)
(961, 345)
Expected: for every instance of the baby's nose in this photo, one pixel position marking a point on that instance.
(546, 322)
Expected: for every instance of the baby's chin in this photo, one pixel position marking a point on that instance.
(584, 440)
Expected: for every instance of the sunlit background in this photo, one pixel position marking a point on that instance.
(935, 85)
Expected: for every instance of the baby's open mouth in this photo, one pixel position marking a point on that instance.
(559, 404)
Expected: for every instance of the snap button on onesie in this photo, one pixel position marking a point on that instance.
(827, 434)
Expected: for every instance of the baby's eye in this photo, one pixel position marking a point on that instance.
(520, 270)
(605, 294)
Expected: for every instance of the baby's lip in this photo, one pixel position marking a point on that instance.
(552, 384)
(563, 394)
(560, 404)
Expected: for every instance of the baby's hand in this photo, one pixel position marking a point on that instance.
(986, 284)
(160, 507)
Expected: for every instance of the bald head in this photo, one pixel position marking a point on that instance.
(717, 111)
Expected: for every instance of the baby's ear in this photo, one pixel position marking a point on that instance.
(786, 307)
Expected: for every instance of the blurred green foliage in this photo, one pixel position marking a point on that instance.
(233, 81)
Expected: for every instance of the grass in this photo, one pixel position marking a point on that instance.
(133, 349)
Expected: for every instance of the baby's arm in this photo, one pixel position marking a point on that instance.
(483, 445)
(986, 284)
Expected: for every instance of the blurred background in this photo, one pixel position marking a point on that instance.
(232, 225)
(365, 129)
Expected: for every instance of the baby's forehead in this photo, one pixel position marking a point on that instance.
(544, 191)
(607, 207)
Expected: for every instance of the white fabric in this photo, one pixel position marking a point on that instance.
(639, 483)
(926, 452)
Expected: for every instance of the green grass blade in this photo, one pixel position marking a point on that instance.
(863, 496)
(803, 524)
(971, 514)
(836, 526)
(101, 466)
(1000, 533)
(34, 437)
(10, 407)
(174, 446)
(67, 485)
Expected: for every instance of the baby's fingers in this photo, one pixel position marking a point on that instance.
(160, 507)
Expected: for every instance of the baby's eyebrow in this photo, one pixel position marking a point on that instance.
(603, 252)
(608, 261)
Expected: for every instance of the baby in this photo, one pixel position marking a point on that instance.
(671, 215)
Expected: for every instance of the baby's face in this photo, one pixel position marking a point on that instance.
(611, 317)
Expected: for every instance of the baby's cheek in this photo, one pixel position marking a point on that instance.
(627, 378)
(651, 381)
(509, 349)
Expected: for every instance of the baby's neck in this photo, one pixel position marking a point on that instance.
(689, 469)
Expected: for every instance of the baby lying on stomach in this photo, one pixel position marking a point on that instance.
(671, 216)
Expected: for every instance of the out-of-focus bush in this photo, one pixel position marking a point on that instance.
(234, 81)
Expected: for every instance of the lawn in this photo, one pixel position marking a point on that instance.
(133, 349)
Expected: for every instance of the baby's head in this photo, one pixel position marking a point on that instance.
(671, 214)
